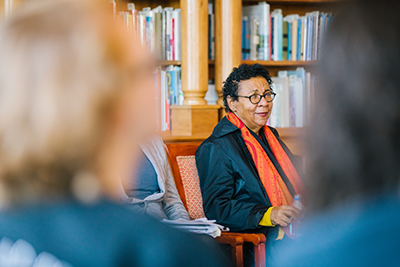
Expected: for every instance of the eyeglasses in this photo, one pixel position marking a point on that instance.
(256, 98)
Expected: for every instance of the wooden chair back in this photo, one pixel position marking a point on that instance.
(180, 149)
(236, 240)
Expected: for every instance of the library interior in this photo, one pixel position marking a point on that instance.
(199, 133)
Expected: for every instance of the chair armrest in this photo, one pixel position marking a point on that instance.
(232, 240)
(255, 238)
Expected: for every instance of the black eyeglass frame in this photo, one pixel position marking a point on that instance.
(261, 96)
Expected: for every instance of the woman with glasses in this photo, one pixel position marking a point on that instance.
(247, 176)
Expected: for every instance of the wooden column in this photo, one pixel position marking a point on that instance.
(194, 18)
(2, 6)
(7, 6)
(195, 117)
(228, 40)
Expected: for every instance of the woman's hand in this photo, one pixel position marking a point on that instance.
(281, 215)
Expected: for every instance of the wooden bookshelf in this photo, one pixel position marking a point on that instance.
(178, 62)
(283, 63)
(293, 138)
(275, 66)
(169, 138)
(295, 1)
(170, 62)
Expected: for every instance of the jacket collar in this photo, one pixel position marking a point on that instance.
(224, 127)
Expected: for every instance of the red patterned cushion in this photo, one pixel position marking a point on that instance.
(191, 186)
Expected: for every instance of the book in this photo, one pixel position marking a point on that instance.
(168, 33)
(211, 32)
(285, 40)
(280, 111)
(168, 92)
(315, 15)
(254, 38)
(264, 31)
(259, 30)
(298, 55)
(177, 33)
(245, 37)
(294, 36)
(294, 101)
(158, 31)
(303, 38)
(198, 226)
(277, 34)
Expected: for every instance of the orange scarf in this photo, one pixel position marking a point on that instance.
(276, 188)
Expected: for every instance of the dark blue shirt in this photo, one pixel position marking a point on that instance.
(102, 235)
(144, 182)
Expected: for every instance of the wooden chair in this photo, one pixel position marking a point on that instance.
(181, 154)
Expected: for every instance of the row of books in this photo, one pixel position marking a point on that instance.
(270, 36)
(168, 92)
(294, 99)
(158, 28)
(292, 106)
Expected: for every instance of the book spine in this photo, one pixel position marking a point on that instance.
(244, 36)
(248, 39)
(254, 39)
(163, 36)
(310, 37)
(178, 35)
(180, 92)
(292, 101)
(273, 37)
(157, 35)
(294, 39)
(285, 40)
(162, 100)
(211, 32)
(299, 99)
(173, 38)
(270, 38)
(276, 37)
(280, 35)
(320, 25)
(304, 39)
(212, 36)
(167, 110)
(289, 40)
(315, 40)
(158, 97)
(298, 56)
(168, 35)
(264, 30)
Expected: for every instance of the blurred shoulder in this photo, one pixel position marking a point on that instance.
(361, 234)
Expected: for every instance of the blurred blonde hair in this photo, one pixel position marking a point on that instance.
(62, 70)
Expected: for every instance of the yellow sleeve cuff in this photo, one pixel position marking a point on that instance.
(266, 219)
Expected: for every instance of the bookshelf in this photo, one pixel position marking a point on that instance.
(275, 66)
(195, 120)
(282, 63)
(197, 69)
(179, 62)
(170, 62)
(228, 54)
(295, 1)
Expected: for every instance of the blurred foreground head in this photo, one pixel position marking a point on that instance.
(354, 144)
(72, 86)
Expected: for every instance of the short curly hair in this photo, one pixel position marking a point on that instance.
(243, 72)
